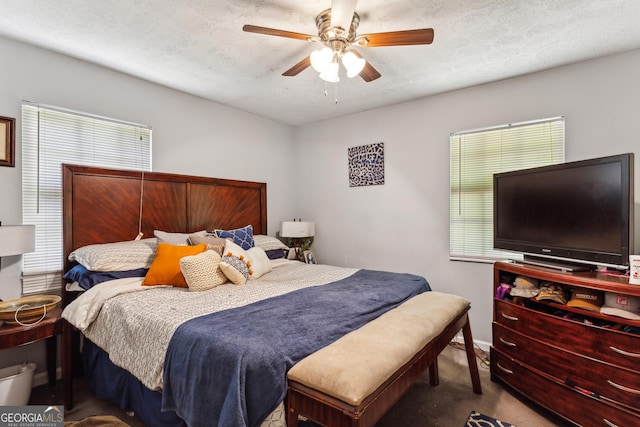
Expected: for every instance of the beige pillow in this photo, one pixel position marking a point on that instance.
(202, 271)
(268, 243)
(118, 256)
(215, 243)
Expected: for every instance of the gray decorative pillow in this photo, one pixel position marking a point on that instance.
(118, 256)
(235, 268)
(175, 238)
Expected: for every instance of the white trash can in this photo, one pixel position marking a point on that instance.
(15, 384)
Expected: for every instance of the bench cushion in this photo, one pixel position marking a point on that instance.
(354, 366)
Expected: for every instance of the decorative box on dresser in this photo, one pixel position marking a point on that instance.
(579, 364)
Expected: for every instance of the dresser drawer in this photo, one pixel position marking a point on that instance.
(615, 347)
(620, 385)
(581, 409)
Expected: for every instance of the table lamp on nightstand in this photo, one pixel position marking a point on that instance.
(297, 235)
(16, 240)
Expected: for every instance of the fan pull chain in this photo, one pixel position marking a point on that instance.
(326, 92)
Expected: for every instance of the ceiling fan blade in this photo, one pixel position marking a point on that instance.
(274, 32)
(342, 13)
(369, 73)
(298, 68)
(398, 38)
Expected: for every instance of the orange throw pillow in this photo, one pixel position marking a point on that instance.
(165, 269)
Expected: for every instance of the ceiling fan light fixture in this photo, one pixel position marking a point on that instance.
(353, 63)
(321, 59)
(331, 73)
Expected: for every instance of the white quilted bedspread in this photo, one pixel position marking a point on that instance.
(134, 323)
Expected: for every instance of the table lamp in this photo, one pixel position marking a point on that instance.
(16, 240)
(298, 235)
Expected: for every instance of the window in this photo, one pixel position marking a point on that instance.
(52, 136)
(475, 156)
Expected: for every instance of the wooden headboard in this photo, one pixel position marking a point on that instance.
(103, 205)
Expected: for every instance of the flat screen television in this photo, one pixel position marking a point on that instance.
(571, 216)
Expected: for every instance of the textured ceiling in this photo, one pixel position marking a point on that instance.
(198, 46)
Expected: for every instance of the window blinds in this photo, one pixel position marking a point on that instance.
(52, 136)
(475, 156)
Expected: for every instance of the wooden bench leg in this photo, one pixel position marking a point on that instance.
(471, 357)
(433, 373)
(292, 417)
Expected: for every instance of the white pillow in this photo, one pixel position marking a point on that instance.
(260, 262)
(118, 256)
(202, 271)
(257, 259)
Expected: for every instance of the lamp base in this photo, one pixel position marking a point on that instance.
(296, 244)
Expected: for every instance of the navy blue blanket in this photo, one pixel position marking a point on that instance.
(229, 368)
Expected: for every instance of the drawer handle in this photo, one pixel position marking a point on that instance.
(609, 423)
(506, 316)
(507, 343)
(625, 353)
(623, 388)
(503, 369)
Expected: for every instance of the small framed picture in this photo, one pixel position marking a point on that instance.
(309, 256)
(7, 141)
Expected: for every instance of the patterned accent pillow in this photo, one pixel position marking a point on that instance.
(268, 243)
(212, 242)
(118, 256)
(165, 269)
(235, 268)
(241, 236)
(202, 271)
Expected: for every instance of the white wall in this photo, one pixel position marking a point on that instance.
(190, 136)
(400, 226)
(403, 225)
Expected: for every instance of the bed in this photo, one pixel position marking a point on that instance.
(151, 347)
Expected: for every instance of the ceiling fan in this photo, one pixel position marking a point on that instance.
(337, 34)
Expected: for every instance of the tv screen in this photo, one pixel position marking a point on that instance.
(578, 212)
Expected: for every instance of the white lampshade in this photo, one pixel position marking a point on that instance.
(331, 73)
(297, 229)
(17, 239)
(320, 59)
(353, 63)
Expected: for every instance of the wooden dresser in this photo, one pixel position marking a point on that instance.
(579, 364)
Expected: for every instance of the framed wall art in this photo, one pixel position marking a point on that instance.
(7, 141)
(366, 165)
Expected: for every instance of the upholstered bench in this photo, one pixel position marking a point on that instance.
(356, 379)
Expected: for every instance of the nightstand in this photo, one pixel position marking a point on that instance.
(48, 328)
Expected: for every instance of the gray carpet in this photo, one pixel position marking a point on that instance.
(446, 405)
